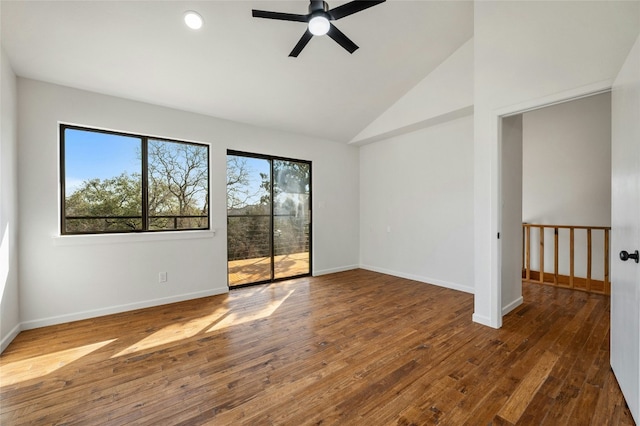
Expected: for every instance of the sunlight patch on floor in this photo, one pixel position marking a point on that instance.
(175, 332)
(241, 318)
(38, 366)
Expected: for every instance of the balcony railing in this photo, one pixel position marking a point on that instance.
(134, 223)
(580, 280)
(254, 242)
(249, 236)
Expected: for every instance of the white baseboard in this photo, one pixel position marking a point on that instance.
(481, 319)
(317, 273)
(9, 337)
(76, 316)
(427, 280)
(511, 306)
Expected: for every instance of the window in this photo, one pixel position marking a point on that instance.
(116, 183)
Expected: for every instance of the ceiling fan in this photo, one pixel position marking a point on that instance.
(318, 20)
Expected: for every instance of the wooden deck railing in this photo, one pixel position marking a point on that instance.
(575, 280)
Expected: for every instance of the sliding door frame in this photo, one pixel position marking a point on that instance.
(271, 159)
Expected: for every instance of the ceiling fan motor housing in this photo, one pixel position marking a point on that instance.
(315, 6)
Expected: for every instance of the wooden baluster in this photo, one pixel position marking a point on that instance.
(588, 259)
(555, 256)
(541, 278)
(571, 257)
(607, 284)
(554, 277)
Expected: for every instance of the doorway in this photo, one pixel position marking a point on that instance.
(555, 175)
(268, 218)
(567, 182)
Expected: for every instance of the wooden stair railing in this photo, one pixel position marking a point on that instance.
(573, 280)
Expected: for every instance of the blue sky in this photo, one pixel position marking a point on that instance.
(90, 155)
(256, 166)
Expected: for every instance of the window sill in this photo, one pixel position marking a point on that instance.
(75, 240)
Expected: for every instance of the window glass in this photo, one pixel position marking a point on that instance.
(178, 185)
(130, 183)
(103, 182)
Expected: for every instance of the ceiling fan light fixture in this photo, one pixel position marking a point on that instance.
(319, 25)
(318, 21)
(193, 20)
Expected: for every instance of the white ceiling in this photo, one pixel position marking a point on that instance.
(237, 67)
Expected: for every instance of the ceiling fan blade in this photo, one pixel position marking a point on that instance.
(342, 39)
(301, 44)
(279, 15)
(351, 8)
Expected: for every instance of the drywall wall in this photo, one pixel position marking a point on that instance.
(511, 213)
(527, 54)
(66, 278)
(567, 178)
(416, 205)
(9, 291)
(446, 93)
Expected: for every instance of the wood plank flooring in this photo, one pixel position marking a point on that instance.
(350, 348)
(247, 271)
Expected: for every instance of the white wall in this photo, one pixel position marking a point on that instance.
(511, 214)
(9, 291)
(529, 54)
(416, 205)
(67, 278)
(567, 178)
(444, 94)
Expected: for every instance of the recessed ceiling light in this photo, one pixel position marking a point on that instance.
(193, 20)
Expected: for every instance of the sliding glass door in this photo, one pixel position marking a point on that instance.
(291, 217)
(268, 218)
(248, 220)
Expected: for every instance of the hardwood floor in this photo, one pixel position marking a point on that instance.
(247, 271)
(351, 348)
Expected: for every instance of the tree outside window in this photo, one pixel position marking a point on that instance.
(116, 183)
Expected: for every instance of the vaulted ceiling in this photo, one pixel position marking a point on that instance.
(237, 67)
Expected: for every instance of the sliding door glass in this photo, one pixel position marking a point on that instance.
(248, 220)
(268, 218)
(291, 218)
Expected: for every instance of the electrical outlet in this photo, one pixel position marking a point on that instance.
(162, 277)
